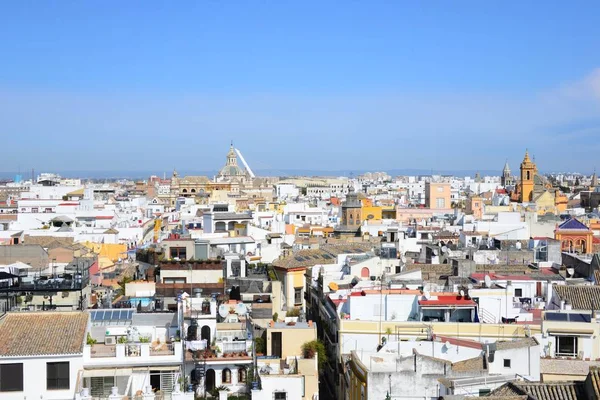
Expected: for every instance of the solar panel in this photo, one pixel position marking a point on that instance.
(107, 315)
(556, 317)
(327, 256)
(570, 317)
(298, 258)
(98, 315)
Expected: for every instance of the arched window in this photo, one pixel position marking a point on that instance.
(364, 273)
(184, 190)
(226, 375)
(242, 375)
(528, 175)
(582, 246)
(193, 190)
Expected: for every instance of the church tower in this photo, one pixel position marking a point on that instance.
(528, 171)
(506, 179)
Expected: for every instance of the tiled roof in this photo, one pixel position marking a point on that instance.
(573, 224)
(516, 344)
(557, 366)
(49, 242)
(326, 254)
(580, 297)
(542, 391)
(597, 277)
(471, 365)
(42, 333)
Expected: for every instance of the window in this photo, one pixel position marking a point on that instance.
(440, 189)
(566, 346)
(226, 375)
(11, 377)
(297, 296)
(507, 363)
(519, 292)
(279, 395)
(178, 252)
(484, 392)
(440, 202)
(242, 375)
(57, 375)
(34, 210)
(174, 280)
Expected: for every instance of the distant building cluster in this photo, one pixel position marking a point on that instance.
(298, 288)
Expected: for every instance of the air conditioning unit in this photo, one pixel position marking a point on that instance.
(110, 340)
(227, 339)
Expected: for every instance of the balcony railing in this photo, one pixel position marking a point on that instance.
(135, 352)
(233, 347)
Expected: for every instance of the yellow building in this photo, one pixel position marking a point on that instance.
(109, 251)
(475, 206)
(371, 212)
(290, 369)
(528, 171)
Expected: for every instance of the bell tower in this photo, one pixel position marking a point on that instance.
(528, 171)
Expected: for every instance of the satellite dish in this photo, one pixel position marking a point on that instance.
(403, 259)
(470, 286)
(223, 310)
(488, 281)
(447, 344)
(462, 293)
(444, 249)
(427, 295)
(435, 253)
(241, 309)
(570, 271)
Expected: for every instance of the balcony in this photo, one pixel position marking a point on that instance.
(132, 354)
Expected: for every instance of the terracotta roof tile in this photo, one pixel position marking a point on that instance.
(42, 333)
(580, 297)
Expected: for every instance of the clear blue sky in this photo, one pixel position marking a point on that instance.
(299, 85)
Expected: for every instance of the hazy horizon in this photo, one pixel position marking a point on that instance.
(314, 86)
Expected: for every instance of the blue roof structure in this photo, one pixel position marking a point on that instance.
(573, 224)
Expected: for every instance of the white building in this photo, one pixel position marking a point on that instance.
(41, 354)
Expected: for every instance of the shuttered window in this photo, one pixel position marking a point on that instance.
(11, 377)
(57, 376)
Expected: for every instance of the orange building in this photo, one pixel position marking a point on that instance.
(528, 171)
(575, 237)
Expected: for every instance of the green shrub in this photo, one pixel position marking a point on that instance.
(294, 312)
(309, 349)
(90, 340)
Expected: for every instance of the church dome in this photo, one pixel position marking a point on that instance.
(231, 168)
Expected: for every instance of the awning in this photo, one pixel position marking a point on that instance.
(571, 332)
(99, 372)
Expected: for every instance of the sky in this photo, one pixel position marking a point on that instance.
(328, 85)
